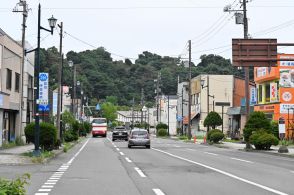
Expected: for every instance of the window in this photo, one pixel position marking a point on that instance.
(17, 77)
(260, 93)
(267, 92)
(8, 79)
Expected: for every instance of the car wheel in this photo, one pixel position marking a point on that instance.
(148, 146)
(129, 146)
(126, 140)
(113, 140)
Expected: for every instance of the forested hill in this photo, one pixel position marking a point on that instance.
(101, 76)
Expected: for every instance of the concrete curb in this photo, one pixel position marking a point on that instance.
(269, 153)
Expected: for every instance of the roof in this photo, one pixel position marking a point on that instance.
(2, 32)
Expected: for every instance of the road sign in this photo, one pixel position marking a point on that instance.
(43, 92)
(44, 108)
(97, 107)
(222, 103)
(179, 118)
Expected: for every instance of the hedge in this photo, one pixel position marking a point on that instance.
(162, 132)
(263, 140)
(211, 132)
(48, 135)
(216, 137)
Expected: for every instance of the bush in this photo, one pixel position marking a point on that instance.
(48, 135)
(211, 132)
(275, 129)
(161, 126)
(213, 119)
(256, 121)
(263, 140)
(162, 132)
(87, 127)
(16, 186)
(70, 136)
(216, 137)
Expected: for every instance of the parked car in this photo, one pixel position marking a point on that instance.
(139, 137)
(119, 133)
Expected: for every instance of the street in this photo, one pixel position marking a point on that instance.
(100, 166)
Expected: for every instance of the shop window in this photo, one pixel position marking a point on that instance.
(8, 79)
(259, 93)
(267, 92)
(17, 78)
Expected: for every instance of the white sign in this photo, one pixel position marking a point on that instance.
(286, 78)
(261, 71)
(253, 96)
(274, 92)
(282, 128)
(287, 96)
(285, 107)
(287, 63)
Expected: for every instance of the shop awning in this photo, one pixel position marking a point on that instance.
(236, 110)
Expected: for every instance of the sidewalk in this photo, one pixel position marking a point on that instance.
(13, 156)
(241, 146)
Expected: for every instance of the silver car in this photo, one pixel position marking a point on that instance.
(139, 137)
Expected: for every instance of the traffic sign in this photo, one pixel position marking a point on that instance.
(98, 107)
(44, 108)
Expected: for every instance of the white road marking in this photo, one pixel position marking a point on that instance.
(117, 149)
(190, 149)
(211, 153)
(177, 146)
(69, 162)
(224, 173)
(47, 186)
(52, 180)
(115, 146)
(292, 171)
(44, 190)
(121, 153)
(158, 192)
(140, 172)
(41, 193)
(127, 159)
(59, 172)
(50, 183)
(241, 160)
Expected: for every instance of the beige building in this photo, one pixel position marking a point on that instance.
(220, 89)
(10, 81)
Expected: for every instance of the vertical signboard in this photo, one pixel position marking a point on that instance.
(253, 96)
(55, 99)
(273, 92)
(43, 91)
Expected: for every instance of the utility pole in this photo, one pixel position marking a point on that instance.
(182, 129)
(142, 104)
(133, 102)
(59, 85)
(168, 115)
(189, 98)
(24, 12)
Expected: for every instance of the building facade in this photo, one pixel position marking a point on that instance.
(275, 92)
(10, 81)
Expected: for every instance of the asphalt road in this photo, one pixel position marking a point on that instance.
(100, 166)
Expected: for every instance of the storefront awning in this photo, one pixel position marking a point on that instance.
(236, 110)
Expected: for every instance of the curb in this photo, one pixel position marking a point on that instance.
(269, 153)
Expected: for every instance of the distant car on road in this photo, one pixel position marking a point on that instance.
(139, 137)
(99, 127)
(119, 133)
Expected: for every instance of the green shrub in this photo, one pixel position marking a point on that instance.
(48, 135)
(216, 137)
(161, 126)
(263, 140)
(162, 132)
(87, 127)
(213, 119)
(70, 136)
(211, 132)
(275, 129)
(14, 187)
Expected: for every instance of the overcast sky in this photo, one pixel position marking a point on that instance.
(129, 27)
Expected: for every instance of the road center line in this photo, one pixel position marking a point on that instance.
(211, 153)
(128, 160)
(117, 149)
(158, 192)
(121, 153)
(224, 173)
(241, 160)
(140, 172)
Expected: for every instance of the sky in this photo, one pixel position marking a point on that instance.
(126, 28)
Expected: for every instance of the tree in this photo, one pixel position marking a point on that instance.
(213, 119)
(256, 122)
(109, 111)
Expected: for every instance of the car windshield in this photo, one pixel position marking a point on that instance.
(139, 132)
(99, 121)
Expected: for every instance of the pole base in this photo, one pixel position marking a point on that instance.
(37, 153)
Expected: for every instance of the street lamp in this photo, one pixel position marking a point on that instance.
(52, 22)
(144, 110)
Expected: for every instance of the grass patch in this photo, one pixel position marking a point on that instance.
(16, 186)
(183, 137)
(8, 145)
(39, 159)
(231, 140)
(67, 146)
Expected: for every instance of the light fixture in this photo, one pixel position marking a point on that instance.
(52, 23)
(70, 63)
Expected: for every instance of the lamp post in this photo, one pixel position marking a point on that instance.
(144, 110)
(71, 64)
(52, 22)
(77, 83)
(208, 95)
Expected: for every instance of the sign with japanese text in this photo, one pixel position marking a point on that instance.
(261, 71)
(285, 108)
(273, 92)
(253, 96)
(43, 91)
